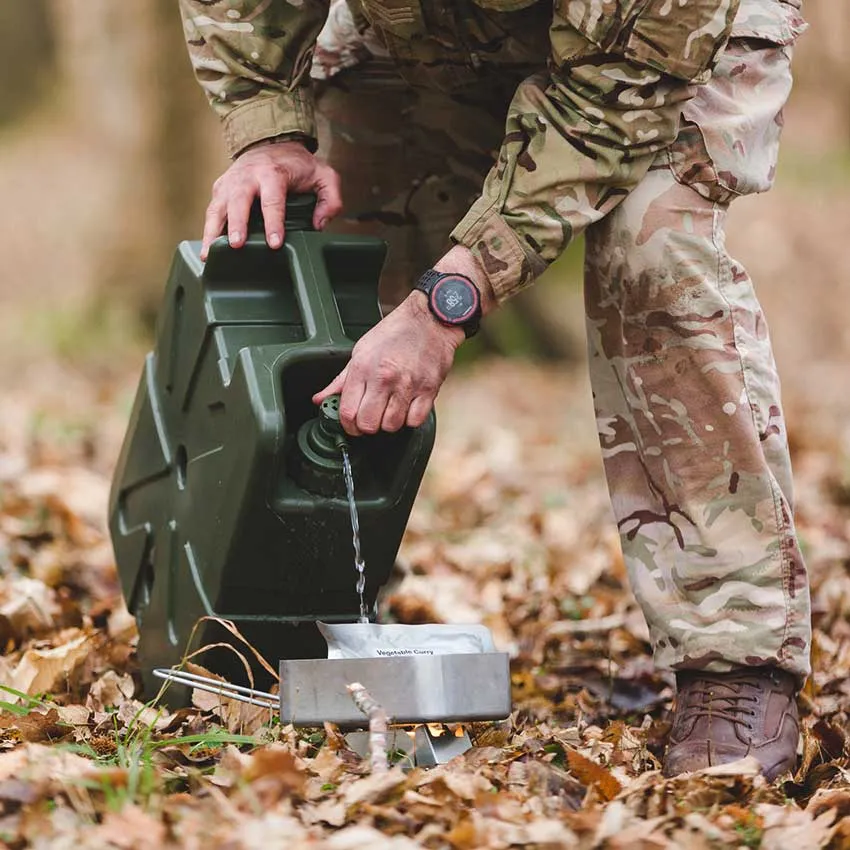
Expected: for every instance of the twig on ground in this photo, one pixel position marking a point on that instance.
(378, 757)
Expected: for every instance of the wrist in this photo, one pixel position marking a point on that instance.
(417, 305)
(460, 260)
(286, 138)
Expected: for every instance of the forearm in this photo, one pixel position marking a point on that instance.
(582, 135)
(253, 61)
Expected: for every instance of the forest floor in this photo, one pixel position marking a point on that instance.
(512, 529)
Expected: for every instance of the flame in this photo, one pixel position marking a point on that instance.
(437, 730)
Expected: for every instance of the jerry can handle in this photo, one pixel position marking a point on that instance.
(299, 214)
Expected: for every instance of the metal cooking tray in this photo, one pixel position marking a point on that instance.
(410, 688)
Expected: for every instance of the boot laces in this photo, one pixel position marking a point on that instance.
(720, 699)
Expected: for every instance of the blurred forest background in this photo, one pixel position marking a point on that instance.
(107, 152)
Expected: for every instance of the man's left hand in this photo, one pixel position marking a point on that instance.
(398, 367)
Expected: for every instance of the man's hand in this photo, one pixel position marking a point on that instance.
(269, 172)
(395, 371)
(398, 367)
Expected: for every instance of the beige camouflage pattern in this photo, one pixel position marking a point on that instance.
(581, 136)
(709, 122)
(687, 394)
(684, 382)
(253, 59)
(345, 42)
(702, 491)
(412, 159)
(581, 130)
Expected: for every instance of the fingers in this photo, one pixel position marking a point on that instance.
(273, 203)
(369, 408)
(350, 405)
(238, 210)
(353, 401)
(269, 172)
(395, 414)
(418, 411)
(385, 403)
(213, 223)
(387, 395)
(391, 414)
(328, 196)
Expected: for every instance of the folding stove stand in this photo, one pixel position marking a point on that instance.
(412, 689)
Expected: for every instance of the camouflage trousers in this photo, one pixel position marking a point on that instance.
(684, 382)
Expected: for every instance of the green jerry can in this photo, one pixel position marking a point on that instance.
(228, 500)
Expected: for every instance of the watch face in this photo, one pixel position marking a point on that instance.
(454, 299)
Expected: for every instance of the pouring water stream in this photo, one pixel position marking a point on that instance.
(359, 564)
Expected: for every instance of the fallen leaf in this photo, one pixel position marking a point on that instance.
(592, 774)
(131, 829)
(37, 725)
(30, 608)
(43, 670)
(786, 827)
(359, 837)
(747, 766)
(375, 787)
(110, 690)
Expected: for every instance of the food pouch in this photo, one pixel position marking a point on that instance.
(373, 640)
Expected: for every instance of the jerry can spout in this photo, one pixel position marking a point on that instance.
(318, 462)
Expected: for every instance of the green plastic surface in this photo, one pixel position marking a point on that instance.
(209, 514)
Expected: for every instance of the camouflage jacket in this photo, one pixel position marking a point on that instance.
(581, 132)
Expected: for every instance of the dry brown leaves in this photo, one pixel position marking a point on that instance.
(512, 529)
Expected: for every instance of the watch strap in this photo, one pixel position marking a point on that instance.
(471, 326)
(426, 282)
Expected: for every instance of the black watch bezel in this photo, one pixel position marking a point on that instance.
(432, 282)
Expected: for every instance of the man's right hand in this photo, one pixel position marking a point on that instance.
(269, 171)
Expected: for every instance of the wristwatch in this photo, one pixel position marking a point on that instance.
(453, 299)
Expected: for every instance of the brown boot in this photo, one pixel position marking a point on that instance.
(723, 717)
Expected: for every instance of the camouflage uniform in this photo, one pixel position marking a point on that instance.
(617, 137)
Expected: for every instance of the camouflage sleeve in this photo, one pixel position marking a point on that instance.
(252, 58)
(582, 136)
